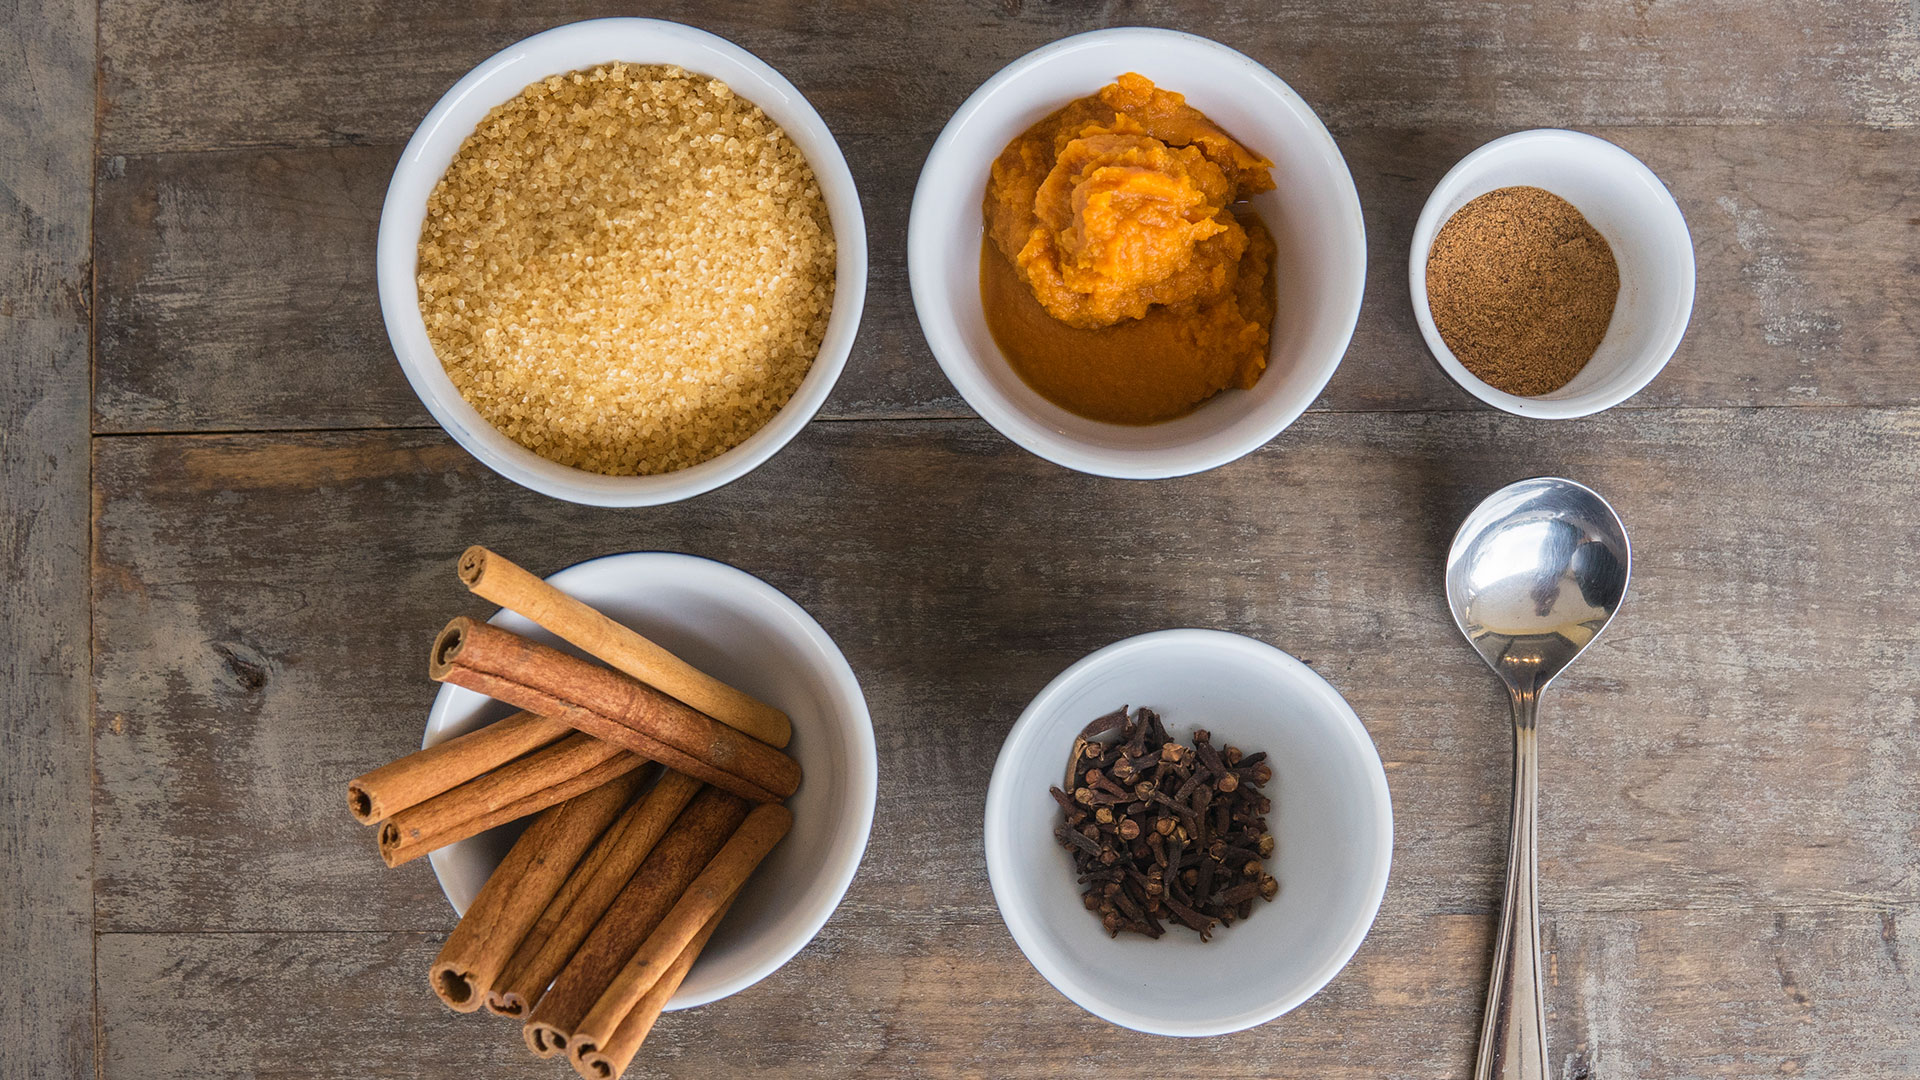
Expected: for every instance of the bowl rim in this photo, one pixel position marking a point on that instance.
(955, 360)
(1427, 227)
(397, 246)
(998, 826)
(863, 780)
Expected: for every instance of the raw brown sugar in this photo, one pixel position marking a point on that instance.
(1521, 288)
(628, 270)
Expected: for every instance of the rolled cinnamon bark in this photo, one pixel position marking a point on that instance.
(701, 831)
(586, 897)
(498, 579)
(603, 1063)
(420, 776)
(610, 706)
(519, 888)
(554, 774)
(705, 896)
(570, 890)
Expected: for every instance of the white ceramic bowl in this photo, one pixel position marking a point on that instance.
(745, 632)
(1332, 819)
(1629, 206)
(571, 48)
(1314, 215)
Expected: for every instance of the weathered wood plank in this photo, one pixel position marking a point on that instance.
(1731, 800)
(1745, 738)
(237, 289)
(319, 73)
(237, 292)
(46, 170)
(1666, 994)
(1806, 243)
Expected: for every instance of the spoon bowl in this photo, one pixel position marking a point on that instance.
(1535, 573)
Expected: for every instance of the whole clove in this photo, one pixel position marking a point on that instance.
(1193, 858)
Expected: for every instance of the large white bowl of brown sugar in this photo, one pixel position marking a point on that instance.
(622, 262)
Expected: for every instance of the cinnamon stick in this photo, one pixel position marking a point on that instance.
(492, 577)
(586, 896)
(705, 896)
(556, 908)
(519, 888)
(610, 706)
(554, 774)
(603, 1063)
(701, 831)
(420, 776)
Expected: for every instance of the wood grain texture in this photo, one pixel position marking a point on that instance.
(208, 323)
(326, 73)
(1665, 994)
(1745, 740)
(1731, 781)
(46, 170)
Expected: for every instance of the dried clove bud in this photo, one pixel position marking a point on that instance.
(1161, 830)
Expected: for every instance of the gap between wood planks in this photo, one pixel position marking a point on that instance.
(991, 918)
(909, 418)
(1338, 131)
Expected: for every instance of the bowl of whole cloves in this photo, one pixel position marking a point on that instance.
(1188, 832)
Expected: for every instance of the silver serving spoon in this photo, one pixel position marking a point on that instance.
(1535, 573)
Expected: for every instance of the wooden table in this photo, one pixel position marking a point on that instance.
(230, 528)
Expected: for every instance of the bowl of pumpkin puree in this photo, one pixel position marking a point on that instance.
(1137, 253)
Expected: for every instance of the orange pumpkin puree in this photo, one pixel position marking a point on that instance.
(1116, 275)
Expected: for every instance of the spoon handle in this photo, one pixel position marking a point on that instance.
(1513, 1038)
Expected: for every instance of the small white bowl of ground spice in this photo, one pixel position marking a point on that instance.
(1552, 274)
(622, 262)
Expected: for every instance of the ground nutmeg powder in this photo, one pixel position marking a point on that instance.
(1521, 288)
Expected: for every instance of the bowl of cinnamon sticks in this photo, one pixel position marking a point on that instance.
(645, 784)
